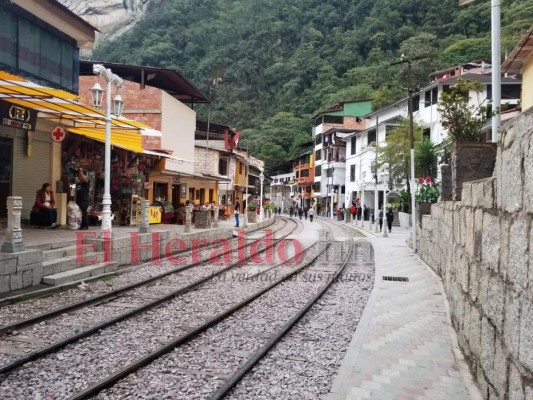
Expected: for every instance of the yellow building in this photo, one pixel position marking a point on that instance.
(520, 61)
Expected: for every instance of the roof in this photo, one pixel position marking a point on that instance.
(171, 81)
(201, 126)
(63, 7)
(487, 78)
(475, 64)
(513, 64)
(338, 106)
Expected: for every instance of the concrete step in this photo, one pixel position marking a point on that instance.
(52, 245)
(55, 266)
(80, 273)
(60, 252)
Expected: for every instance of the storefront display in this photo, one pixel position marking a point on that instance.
(128, 176)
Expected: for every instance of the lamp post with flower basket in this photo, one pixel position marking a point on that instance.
(426, 194)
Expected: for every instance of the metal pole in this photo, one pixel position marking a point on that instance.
(245, 224)
(106, 201)
(376, 192)
(412, 139)
(496, 67)
(261, 179)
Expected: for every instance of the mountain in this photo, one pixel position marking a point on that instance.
(112, 17)
(275, 62)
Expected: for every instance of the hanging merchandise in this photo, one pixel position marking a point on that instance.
(74, 216)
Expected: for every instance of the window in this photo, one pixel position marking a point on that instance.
(371, 137)
(431, 97)
(240, 168)
(389, 129)
(318, 155)
(511, 92)
(426, 133)
(318, 170)
(333, 119)
(352, 173)
(316, 187)
(329, 172)
(297, 174)
(223, 167)
(353, 146)
(416, 103)
(318, 139)
(305, 173)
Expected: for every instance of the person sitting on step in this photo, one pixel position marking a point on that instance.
(44, 204)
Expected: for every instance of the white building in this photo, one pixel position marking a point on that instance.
(360, 148)
(283, 189)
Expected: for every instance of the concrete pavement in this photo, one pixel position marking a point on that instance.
(404, 346)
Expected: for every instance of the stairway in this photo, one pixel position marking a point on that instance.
(61, 264)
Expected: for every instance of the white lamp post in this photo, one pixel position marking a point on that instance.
(118, 106)
(245, 223)
(261, 180)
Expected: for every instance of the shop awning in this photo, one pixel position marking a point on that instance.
(56, 104)
(123, 138)
(169, 157)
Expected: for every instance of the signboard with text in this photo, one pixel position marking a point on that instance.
(17, 117)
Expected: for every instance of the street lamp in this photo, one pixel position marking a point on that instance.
(118, 106)
(261, 180)
(245, 224)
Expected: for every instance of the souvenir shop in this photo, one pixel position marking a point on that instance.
(129, 175)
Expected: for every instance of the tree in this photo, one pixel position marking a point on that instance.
(426, 158)
(396, 155)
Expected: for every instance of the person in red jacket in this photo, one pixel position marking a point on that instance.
(45, 202)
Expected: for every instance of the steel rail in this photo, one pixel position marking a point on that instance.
(258, 355)
(109, 295)
(141, 362)
(51, 348)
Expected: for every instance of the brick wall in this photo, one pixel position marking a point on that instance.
(481, 249)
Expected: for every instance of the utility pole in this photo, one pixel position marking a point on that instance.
(411, 184)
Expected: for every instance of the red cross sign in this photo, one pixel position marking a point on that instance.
(58, 134)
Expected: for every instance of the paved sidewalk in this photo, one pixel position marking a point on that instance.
(404, 347)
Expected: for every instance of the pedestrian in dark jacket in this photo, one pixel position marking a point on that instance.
(291, 211)
(305, 212)
(380, 219)
(390, 218)
(300, 212)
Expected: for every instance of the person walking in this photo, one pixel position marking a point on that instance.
(380, 219)
(82, 198)
(291, 211)
(390, 218)
(237, 213)
(306, 210)
(318, 209)
(311, 214)
(300, 212)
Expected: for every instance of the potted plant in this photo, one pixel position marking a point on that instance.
(251, 211)
(347, 215)
(340, 215)
(426, 194)
(469, 155)
(202, 219)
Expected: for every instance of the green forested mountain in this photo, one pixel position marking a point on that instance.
(280, 60)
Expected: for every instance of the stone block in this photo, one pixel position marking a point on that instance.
(15, 281)
(466, 196)
(474, 272)
(490, 241)
(462, 268)
(478, 233)
(498, 185)
(37, 275)
(482, 382)
(511, 323)
(8, 267)
(517, 262)
(505, 227)
(512, 189)
(500, 370)
(5, 283)
(469, 232)
(474, 332)
(478, 193)
(483, 292)
(29, 257)
(528, 178)
(487, 348)
(526, 335)
(516, 390)
(494, 307)
(489, 190)
(27, 278)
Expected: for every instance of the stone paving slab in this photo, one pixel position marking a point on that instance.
(404, 346)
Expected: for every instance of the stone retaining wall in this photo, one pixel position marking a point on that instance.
(20, 270)
(480, 248)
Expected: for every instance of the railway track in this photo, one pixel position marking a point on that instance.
(190, 347)
(184, 323)
(117, 305)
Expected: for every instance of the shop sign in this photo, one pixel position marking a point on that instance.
(17, 117)
(148, 185)
(58, 134)
(183, 190)
(154, 215)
